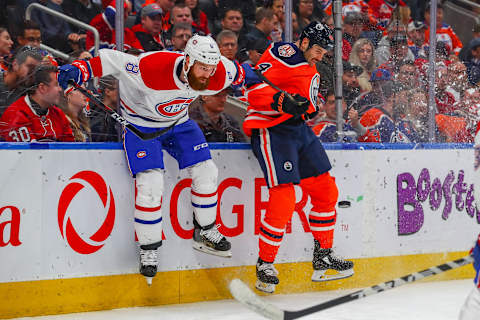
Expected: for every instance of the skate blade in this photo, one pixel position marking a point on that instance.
(149, 280)
(320, 276)
(265, 287)
(206, 249)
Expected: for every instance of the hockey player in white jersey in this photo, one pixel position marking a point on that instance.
(155, 91)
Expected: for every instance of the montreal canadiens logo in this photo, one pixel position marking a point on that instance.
(141, 154)
(93, 243)
(173, 107)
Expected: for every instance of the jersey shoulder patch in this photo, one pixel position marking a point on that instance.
(157, 70)
(288, 53)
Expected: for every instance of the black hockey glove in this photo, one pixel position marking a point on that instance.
(282, 103)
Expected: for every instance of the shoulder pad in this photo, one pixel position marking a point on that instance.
(288, 53)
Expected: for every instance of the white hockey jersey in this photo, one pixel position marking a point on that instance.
(151, 93)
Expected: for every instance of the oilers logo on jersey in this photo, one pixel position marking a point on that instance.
(314, 86)
(173, 107)
(286, 51)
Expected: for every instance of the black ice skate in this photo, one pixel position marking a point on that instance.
(149, 261)
(325, 259)
(266, 276)
(209, 240)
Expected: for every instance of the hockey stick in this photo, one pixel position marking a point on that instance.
(142, 135)
(270, 83)
(243, 294)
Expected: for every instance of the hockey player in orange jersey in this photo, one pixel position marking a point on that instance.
(289, 153)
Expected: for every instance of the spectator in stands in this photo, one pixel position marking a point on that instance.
(232, 19)
(326, 68)
(445, 32)
(395, 30)
(83, 10)
(35, 117)
(180, 13)
(445, 100)
(307, 12)
(353, 24)
(74, 109)
(463, 55)
(248, 8)
(295, 27)
(398, 54)
(17, 79)
(472, 62)
(181, 32)
(416, 37)
(326, 127)
(217, 126)
(103, 127)
(351, 87)
(6, 44)
(412, 116)
(382, 11)
(227, 43)
(458, 79)
(265, 22)
(382, 85)
(277, 7)
(255, 51)
(362, 55)
(166, 5)
(105, 24)
(56, 32)
(200, 21)
(408, 76)
(378, 119)
(149, 31)
(441, 54)
(30, 34)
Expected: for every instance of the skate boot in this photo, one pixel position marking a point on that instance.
(266, 276)
(325, 259)
(209, 240)
(149, 261)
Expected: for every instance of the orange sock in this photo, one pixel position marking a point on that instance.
(280, 209)
(324, 195)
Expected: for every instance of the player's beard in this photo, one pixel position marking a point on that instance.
(195, 82)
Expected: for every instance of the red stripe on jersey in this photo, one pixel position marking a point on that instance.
(204, 195)
(157, 70)
(96, 65)
(145, 209)
(127, 107)
(217, 81)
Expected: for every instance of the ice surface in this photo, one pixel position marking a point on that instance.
(419, 301)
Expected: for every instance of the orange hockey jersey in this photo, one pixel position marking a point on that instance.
(446, 34)
(283, 64)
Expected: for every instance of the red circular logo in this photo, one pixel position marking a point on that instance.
(76, 184)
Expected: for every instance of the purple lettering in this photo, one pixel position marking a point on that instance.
(436, 194)
(459, 189)
(470, 201)
(408, 221)
(423, 185)
(447, 193)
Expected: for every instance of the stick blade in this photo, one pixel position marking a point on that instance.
(242, 293)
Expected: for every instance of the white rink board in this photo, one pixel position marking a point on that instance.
(34, 180)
